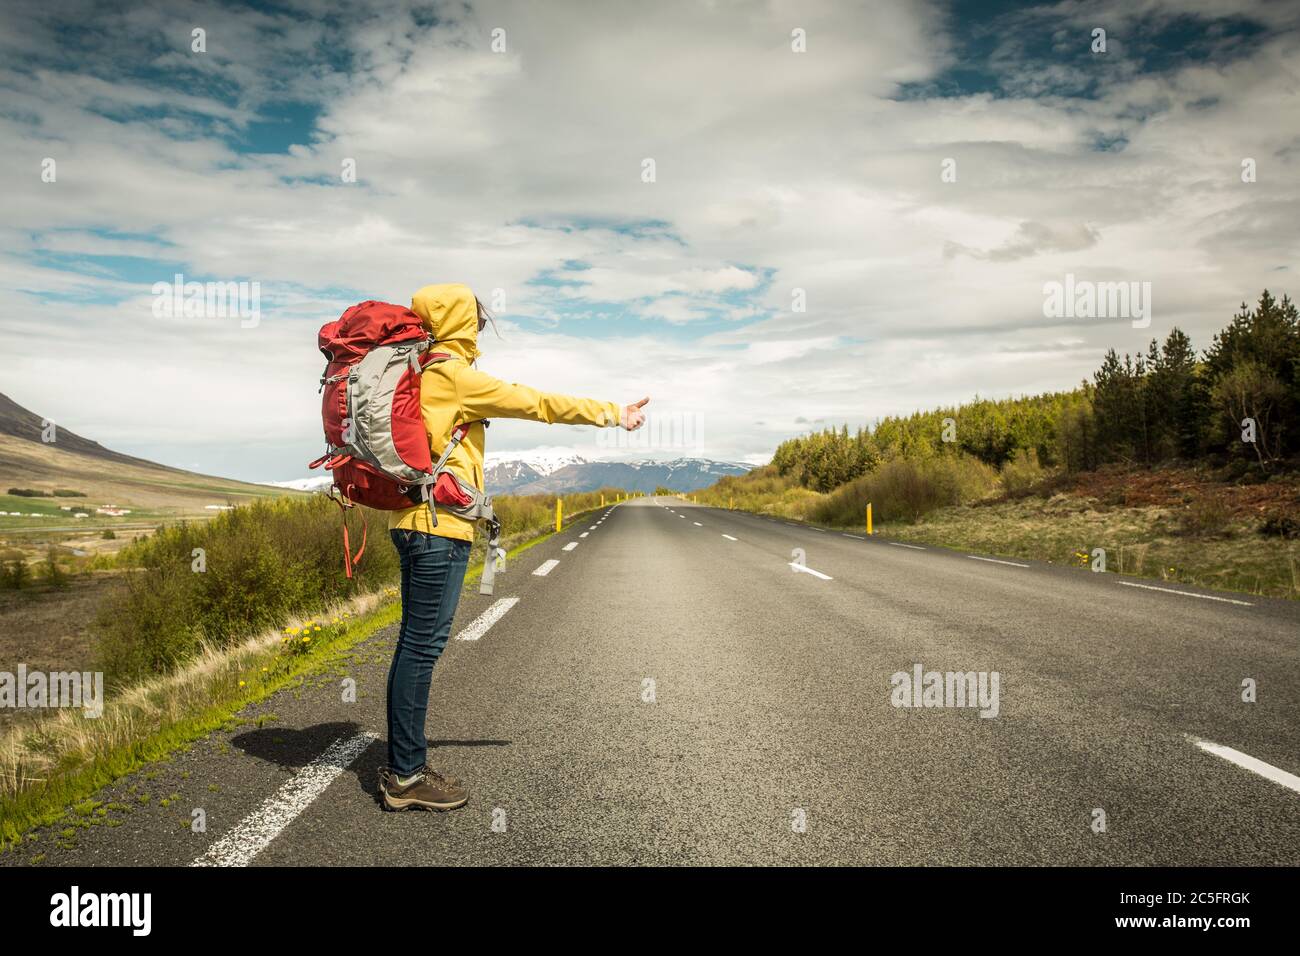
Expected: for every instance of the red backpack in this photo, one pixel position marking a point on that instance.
(378, 449)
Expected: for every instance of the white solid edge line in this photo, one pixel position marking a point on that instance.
(976, 557)
(856, 536)
(570, 546)
(1203, 597)
(479, 626)
(545, 567)
(808, 570)
(917, 547)
(1247, 762)
(250, 836)
(729, 537)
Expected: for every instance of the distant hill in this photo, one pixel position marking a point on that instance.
(18, 422)
(104, 476)
(546, 475)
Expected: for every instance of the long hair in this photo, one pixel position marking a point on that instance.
(485, 317)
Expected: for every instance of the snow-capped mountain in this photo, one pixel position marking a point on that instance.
(319, 483)
(542, 461)
(520, 476)
(505, 471)
(558, 471)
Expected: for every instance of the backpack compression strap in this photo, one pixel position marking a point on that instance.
(478, 508)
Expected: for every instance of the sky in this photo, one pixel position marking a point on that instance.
(854, 208)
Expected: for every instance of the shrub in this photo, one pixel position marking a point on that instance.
(907, 490)
(1205, 517)
(28, 493)
(54, 575)
(68, 493)
(1281, 526)
(1021, 473)
(15, 574)
(221, 581)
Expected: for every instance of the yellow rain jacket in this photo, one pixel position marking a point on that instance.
(453, 392)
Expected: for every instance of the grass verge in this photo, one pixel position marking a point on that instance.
(1190, 537)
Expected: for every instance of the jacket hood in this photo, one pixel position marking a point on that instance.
(450, 314)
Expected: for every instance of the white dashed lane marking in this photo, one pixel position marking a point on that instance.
(976, 557)
(251, 835)
(729, 537)
(856, 536)
(570, 546)
(479, 626)
(697, 524)
(545, 568)
(1203, 597)
(584, 534)
(1253, 764)
(917, 547)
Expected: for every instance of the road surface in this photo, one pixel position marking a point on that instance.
(671, 684)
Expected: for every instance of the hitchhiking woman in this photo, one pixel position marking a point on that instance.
(434, 556)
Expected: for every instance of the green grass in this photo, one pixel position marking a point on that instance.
(46, 506)
(223, 490)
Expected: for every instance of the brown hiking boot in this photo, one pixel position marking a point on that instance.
(429, 790)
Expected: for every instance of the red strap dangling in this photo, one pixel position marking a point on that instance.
(349, 559)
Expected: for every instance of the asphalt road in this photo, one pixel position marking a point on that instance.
(674, 691)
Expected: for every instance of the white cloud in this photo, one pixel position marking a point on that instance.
(775, 170)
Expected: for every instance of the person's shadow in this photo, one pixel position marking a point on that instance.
(292, 749)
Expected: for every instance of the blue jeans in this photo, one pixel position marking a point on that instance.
(433, 570)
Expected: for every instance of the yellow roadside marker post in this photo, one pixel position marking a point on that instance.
(559, 514)
(869, 531)
(602, 501)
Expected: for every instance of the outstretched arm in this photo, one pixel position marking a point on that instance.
(482, 396)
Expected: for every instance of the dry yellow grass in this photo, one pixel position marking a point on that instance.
(50, 761)
(61, 739)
